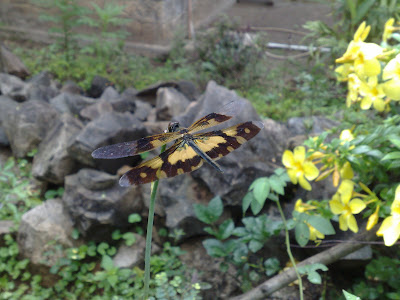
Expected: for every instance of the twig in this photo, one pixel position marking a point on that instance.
(326, 257)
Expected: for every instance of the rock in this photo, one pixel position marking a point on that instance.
(278, 133)
(27, 125)
(97, 109)
(109, 128)
(13, 87)
(99, 84)
(96, 180)
(307, 125)
(109, 94)
(41, 87)
(70, 103)
(96, 212)
(170, 103)
(142, 110)
(242, 166)
(131, 256)
(52, 161)
(71, 88)
(40, 227)
(149, 94)
(129, 95)
(11, 64)
(6, 105)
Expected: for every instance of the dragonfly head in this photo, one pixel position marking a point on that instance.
(173, 126)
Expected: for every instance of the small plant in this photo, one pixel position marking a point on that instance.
(16, 192)
(237, 251)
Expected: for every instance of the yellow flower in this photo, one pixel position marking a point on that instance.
(346, 172)
(341, 204)
(301, 207)
(391, 74)
(366, 63)
(373, 219)
(390, 228)
(388, 29)
(315, 234)
(299, 168)
(353, 86)
(362, 32)
(346, 135)
(373, 94)
(343, 71)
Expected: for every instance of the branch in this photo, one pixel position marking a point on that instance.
(326, 257)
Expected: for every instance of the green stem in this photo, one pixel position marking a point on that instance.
(289, 251)
(150, 220)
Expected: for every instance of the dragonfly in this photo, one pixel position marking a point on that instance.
(189, 151)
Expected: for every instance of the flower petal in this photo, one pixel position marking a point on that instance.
(351, 221)
(310, 170)
(299, 154)
(304, 183)
(392, 231)
(346, 190)
(336, 207)
(343, 223)
(288, 159)
(356, 206)
(292, 175)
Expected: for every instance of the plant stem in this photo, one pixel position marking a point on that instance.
(150, 220)
(289, 251)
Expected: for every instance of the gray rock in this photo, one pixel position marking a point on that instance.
(11, 64)
(27, 125)
(13, 87)
(71, 103)
(6, 226)
(109, 128)
(307, 125)
(170, 103)
(95, 110)
(149, 94)
(131, 256)
(254, 159)
(96, 180)
(109, 94)
(142, 110)
(52, 161)
(71, 88)
(3, 138)
(95, 212)
(6, 105)
(99, 84)
(40, 227)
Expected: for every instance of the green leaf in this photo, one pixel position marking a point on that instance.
(361, 149)
(107, 263)
(362, 10)
(129, 238)
(134, 218)
(256, 207)
(255, 245)
(214, 248)
(321, 224)
(395, 140)
(75, 234)
(277, 185)
(271, 265)
(311, 271)
(209, 214)
(247, 199)
(116, 235)
(392, 155)
(226, 229)
(261, 190)
(349, 296)
(102, 247)
(302, 234)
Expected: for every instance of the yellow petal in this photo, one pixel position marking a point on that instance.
(392, 88)
(292, 175)
(310, 170)
(304, 183)
(336, 206)
(391, 232)
(299, 154)
(379, 104)
(346, 190)
(288, 159)
(397, 194)
(299, 206)
(346, 172)
(373, 219)
(372, 67)
(352, 223)
(359, 31)
(343, 223)
(356, 206)
(366, 102)
(386, 224)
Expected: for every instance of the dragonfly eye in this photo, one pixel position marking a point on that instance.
(173, 126)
